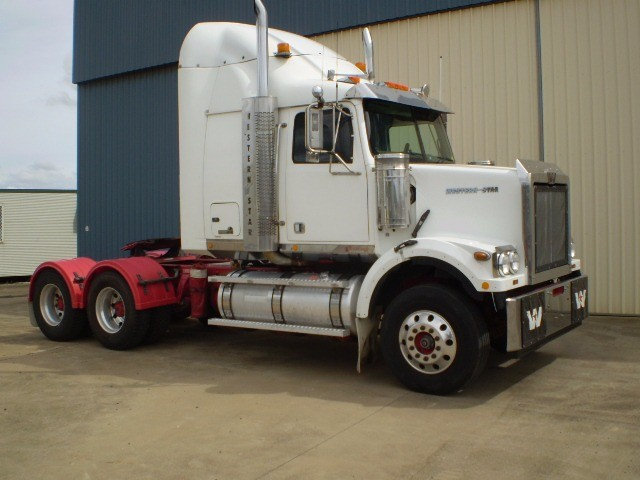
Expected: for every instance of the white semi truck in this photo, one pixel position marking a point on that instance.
(316, 199)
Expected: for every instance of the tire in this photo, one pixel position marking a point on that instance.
(434, 339)
(113, 317)
(52, 309)
(159, 320)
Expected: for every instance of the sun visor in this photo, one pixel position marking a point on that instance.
(382, 92)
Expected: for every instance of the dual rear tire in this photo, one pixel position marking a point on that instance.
(52, 309)
(111, 314)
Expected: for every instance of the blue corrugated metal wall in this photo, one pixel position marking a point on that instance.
(127, 160)
(116, 36)
(127, 103)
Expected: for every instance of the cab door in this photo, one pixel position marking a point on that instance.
(325, 204)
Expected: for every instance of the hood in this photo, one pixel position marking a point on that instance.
(478, 203)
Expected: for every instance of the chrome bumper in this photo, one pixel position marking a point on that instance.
(545, 313)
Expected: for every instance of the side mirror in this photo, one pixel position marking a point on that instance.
(314, 129)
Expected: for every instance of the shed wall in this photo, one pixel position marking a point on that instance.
(127, 160)
(36, 227)
(488, 73)
(591, 74)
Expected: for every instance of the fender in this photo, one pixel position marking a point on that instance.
(455, 253)
(73, 271)
(136, 271)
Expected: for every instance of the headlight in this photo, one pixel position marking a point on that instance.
(514, 262)
(506, 261)
(502, 264)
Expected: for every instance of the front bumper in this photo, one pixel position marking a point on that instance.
(545, 313)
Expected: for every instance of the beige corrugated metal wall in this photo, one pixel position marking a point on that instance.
(591, 80)
(36, 227)
(590, 64)
(488, 72)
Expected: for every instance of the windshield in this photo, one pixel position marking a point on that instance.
(396, 128)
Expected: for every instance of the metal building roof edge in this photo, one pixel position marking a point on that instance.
(36, 190)
(97, 30)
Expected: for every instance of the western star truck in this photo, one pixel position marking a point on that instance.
(316, 199)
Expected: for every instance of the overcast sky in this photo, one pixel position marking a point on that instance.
(37, 98)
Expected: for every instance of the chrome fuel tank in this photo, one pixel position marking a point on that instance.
(309, 299)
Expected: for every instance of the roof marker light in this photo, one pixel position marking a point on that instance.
(397, 86)
(362, 66)
(284, 50)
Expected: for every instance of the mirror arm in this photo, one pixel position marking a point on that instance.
(349, 172)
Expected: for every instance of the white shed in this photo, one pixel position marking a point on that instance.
(35, 226)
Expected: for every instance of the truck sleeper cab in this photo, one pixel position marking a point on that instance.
(314, 199)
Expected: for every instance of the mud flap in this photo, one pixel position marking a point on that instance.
(32, 316)
(367, 330)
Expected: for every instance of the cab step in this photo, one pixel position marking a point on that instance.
(280, 327)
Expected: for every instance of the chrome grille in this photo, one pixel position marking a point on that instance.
(551, 238)
(545, 215)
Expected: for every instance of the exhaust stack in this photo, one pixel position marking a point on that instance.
(367, 43)
(259, 120)
(262, 29)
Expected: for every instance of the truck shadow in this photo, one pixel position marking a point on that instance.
(241, 362)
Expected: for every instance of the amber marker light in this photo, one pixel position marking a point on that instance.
(485, 285)
(481, 256)
(284, 50)
(355, 79)
(362, 66)
(397, 86)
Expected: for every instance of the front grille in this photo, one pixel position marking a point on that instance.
(551, 237)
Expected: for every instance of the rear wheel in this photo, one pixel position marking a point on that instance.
(434, 340)
(113, 318)
(52, 309)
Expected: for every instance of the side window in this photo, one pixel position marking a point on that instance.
(344, 142)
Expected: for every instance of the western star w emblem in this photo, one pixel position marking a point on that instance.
(535, 318)
(581, 299)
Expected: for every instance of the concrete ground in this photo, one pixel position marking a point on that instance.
(219, 403)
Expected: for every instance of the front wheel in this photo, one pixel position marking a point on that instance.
(433, 339)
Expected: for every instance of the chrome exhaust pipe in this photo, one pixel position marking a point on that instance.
(262, 29)
(367, 43)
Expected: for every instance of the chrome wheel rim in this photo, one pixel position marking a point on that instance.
(427, 342)
(110, 310)
(52, 304)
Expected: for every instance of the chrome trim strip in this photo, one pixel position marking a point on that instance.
(328, 248)
(285, 282)
(281, 327)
